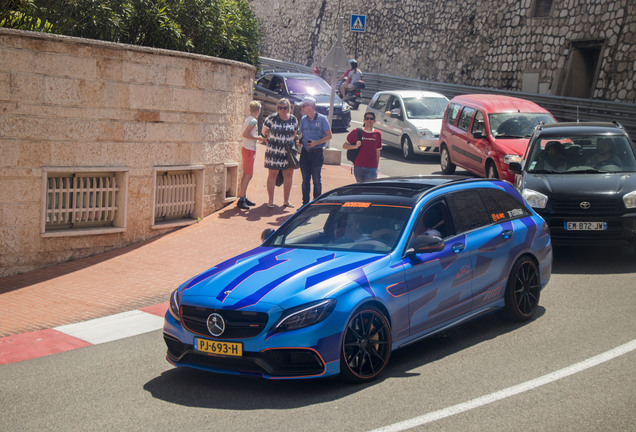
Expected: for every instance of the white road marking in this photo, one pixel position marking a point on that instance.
(511, 391)
(113, 327)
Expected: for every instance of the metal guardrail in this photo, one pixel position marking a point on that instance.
(279, 65)
(563, 108)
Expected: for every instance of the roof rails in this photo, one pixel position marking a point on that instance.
(620, 126)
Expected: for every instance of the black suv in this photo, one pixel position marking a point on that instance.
(581, 178)
(270, 87)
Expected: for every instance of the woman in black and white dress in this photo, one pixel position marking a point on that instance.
(280, 129)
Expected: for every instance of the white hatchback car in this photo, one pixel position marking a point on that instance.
(409, 119)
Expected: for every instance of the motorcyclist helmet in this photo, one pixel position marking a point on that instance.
(353, 63)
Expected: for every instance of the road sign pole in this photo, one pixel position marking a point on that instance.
(355, 52)
(335, 58)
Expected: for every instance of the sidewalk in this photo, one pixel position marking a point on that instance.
(143, 275)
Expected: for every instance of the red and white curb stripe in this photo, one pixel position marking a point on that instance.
(40, 343)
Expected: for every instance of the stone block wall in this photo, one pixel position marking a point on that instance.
(69, 102)
(475, 42)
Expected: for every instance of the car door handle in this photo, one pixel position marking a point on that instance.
(506, 234)
(458, 247)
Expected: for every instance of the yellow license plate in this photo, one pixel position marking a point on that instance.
(219, 348)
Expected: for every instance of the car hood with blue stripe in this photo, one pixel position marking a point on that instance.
(280, 276)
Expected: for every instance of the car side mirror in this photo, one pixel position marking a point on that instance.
(266, 233)
(514, 167)
(425, 244)
(479, 134)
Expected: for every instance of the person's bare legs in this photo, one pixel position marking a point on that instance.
(288, 175)
(271, 185)
(245, 181)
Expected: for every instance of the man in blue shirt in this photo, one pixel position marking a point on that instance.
(315, 131)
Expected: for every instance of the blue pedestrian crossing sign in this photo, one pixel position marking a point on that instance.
(358, 23)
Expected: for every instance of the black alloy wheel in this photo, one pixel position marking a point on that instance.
(366, 346)
(523, 290)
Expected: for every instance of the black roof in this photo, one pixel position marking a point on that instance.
(581, 128)
(405, 190)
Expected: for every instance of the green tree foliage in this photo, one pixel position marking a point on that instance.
(221, 28)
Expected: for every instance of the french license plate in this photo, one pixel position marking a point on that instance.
(232, 349)
(586, 226)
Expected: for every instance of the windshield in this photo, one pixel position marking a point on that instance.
(425, 108)
(516, 125)
(590, 153)
(308, 86)
(351, 226)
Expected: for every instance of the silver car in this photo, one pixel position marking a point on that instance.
(409, 119)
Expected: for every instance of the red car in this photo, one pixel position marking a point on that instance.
(483, 133)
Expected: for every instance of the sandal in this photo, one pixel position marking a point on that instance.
(289, 205)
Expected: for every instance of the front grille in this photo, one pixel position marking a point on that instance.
(277, 362)
(596, 207)
(238, 324)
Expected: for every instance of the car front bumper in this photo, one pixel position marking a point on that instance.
(302, 353)
(422, 145)
(341, 119)
(621, 230)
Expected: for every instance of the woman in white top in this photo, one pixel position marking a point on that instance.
(248, 152)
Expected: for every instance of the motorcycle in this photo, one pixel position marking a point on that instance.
(354, 98)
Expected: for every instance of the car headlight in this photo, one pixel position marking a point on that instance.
(630, 200)
(512, 158)
(345, 107)
(425, 133)
(174, 305)
(534, 198)
(305, 315)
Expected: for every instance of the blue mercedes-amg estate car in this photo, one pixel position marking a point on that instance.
(359, 272)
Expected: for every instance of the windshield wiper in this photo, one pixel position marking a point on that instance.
(543, 171)
(510, 136)
(586, 171)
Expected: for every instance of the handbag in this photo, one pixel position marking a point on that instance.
(352, 154)
(292, 157)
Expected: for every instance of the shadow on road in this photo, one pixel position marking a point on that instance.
(194, 388)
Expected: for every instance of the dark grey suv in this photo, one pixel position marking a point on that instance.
(270, 87)
(581, 178)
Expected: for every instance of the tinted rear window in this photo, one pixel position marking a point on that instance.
(465, 117)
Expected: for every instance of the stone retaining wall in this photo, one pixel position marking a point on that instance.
(67, 103)
(496, 44)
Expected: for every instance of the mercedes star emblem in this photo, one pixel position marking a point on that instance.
(216, 325)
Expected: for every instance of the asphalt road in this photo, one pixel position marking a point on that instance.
(555, 373)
